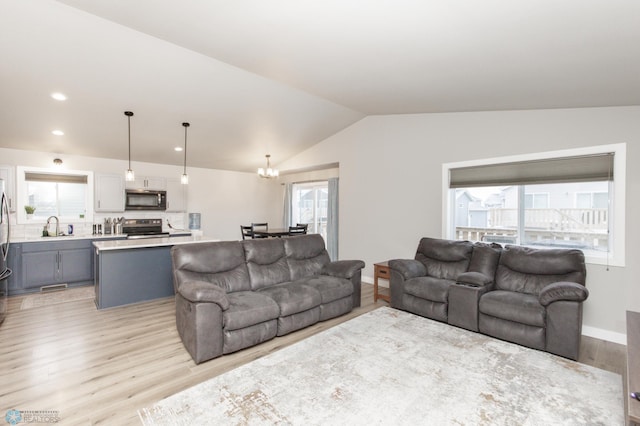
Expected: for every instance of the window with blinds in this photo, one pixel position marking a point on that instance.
(66, 195)
(564, 201)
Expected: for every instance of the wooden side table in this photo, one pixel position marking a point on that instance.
(380, 270)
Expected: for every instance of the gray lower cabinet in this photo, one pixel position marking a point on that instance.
(59, 262)
(14, 262)
(40, 268)
(44, 263)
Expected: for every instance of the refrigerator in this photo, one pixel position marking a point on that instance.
(4, 251)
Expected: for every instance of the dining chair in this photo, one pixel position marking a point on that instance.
(259, 227)
(247, 231)
(297, 230)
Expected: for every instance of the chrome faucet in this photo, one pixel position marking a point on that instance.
(57, 224)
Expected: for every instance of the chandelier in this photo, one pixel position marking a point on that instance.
(269, 172)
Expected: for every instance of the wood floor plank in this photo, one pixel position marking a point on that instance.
(100, 367)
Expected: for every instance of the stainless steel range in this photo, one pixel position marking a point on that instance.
(143, 228)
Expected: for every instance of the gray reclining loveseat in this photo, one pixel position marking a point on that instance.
(231, 295)
(528, 296)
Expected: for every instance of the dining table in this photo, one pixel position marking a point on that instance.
(275, 232)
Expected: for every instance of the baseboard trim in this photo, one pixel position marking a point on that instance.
(599, 333)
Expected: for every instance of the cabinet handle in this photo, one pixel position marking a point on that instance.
(98, 203)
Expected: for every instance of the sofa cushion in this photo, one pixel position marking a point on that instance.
(306, 255)
(247, 308)
(292, 297)
(266, 262)
(221, 263)
(434, 289)
(485, 258)
(517, 307)
(444, 258)
(330, 288)
(529, 270)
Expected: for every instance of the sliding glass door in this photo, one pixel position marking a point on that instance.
(309, 206)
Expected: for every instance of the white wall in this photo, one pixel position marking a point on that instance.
(225, 199)
(391, 183)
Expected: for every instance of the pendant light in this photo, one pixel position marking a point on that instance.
(269, 173)
(129, 176)
(184, 179)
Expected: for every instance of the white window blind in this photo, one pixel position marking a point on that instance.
(54, 177)
(586, 168)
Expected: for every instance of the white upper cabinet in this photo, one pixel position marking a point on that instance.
(109, 193)
(176, 196)
(8, 173)
(147, 182)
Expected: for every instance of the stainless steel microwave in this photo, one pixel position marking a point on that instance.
(143, 199)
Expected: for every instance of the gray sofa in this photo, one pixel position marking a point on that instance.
(528, 296)
(231, 295)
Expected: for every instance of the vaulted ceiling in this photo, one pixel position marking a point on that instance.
(256, 77)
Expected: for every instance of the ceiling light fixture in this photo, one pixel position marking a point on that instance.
(59, 96)
(269, 173)
(184, 179)
(58, 132)
(129, 176)
(178, 149)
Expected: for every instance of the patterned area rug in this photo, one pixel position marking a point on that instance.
(57, 296)
(392, 367)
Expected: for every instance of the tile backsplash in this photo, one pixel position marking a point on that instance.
(32, 230)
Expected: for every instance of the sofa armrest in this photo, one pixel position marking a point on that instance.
(342, 268)
(200, 291)
(563, 290)
(474, 279)
(408, 268)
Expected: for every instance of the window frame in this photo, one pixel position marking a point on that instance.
(534, 196)
(617, 190)
(23, 197)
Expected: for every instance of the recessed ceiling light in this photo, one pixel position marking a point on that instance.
(177, 148)
(58, 132)
(59, 96)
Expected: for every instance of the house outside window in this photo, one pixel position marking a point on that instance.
(588, 200)
(536, 200)
(587, 213)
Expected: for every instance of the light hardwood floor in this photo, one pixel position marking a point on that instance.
(100, 367)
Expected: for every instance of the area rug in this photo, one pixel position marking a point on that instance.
(58, 296)
(392, 367)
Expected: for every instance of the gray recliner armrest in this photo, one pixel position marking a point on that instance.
(200, 291)
(475, 279)
(408, 268)
(342, 268)
(563, 290)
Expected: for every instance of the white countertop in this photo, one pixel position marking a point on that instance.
(74, 237)
(150, 242)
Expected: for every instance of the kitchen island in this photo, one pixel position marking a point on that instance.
(133, 271)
